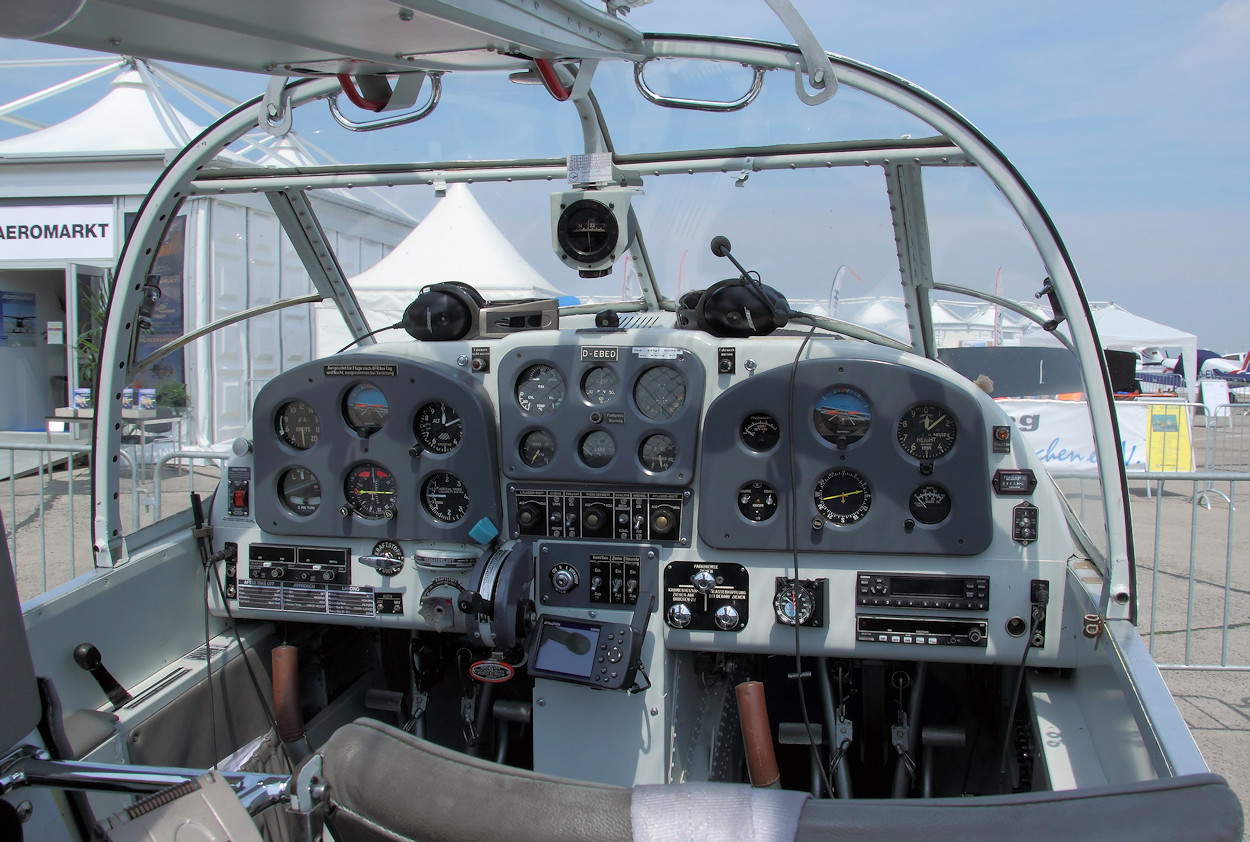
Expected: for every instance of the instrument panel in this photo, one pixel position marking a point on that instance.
(382, 482)
(885, 460)
(381, 448)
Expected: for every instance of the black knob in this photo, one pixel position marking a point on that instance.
(87, 656)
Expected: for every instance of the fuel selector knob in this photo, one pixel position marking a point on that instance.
(703, 581)
(679, 615)
(564, 578)
(727, 617)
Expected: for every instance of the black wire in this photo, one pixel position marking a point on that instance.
(367, 335)
(208, 667)
(794, 550)
(260, 693)
(1035, 622)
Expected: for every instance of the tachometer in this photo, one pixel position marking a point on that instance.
(300, 491)
(540, 390)
(842, 496)
(298, 424)
(927, 432)
(370, 491)
(365, 408)
(538, 449)
(842, 416)
(658, 452)
(438, 427)
(660, 392)
(599, 385)
(929, 504)
(760, 431)
(445, 497)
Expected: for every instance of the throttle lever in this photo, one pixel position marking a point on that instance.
(88, 657)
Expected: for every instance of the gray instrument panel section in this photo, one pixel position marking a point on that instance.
(727, 465)
(407, 386)
(619, 415)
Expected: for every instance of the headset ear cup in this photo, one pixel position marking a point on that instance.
(443, 312)
(732, 308)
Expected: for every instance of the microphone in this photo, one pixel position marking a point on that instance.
(720, 248)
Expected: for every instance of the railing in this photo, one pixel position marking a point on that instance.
(48, 506)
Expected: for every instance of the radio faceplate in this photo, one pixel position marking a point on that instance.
(921, 631)
(947, 593)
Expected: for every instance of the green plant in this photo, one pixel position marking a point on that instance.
(172, 393)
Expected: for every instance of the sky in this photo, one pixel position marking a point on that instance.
(1130, 120)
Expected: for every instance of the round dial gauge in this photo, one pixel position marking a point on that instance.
(599, 385)
(445, 497)
(930, 504)
(300, 491)
(540, 390)
(438, 427)
(365, 408)
(793, 604)
(658, 452)
(587, 231)
(538, 449)
(298, 424)
(597, 448)
(842, 496)
(926, 432)
(842, 416)
(660, 392)
(388, 549)
(757, 501)
(760, 431)
(370, 491)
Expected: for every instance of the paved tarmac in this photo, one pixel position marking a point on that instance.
(1215, 702)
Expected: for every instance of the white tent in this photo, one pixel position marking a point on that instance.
(456, 241)
(1120, 330)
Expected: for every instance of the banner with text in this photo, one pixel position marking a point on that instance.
(1060, 434)
(56, 232)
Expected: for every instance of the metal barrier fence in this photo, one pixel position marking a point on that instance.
(48, 507)
(1193, 567)
(1228, 438)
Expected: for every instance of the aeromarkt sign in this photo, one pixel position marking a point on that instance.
(56, 232)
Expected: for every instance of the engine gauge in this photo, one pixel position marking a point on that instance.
(540, 390)
(438, 427)
(757, 501)
(445, 497)
(794, 604)
(300, 491)
(599, 385)
(587, 231)
(660, 392)
(927, 432)
(930, 504)
(388, 549)
(538, 449)
(658, 452)
(760, 431)
(298, 424)
(370, 491)
(365, 408)
(842, 496)
(597, 448)
(842, 416)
